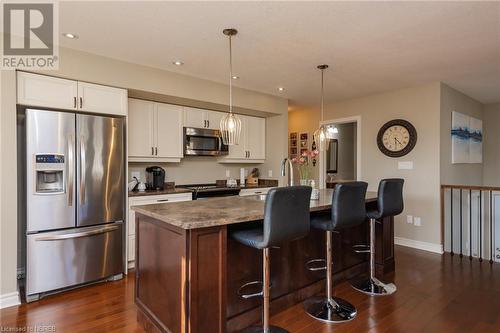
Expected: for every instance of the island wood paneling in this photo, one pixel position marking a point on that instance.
(207, 276)
(161, 274)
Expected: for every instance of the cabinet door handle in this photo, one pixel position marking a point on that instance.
(156, 151)
(74, 102)
(162, 200)
(249, 154)
(81, 102)
(152, 151)
(208, 123)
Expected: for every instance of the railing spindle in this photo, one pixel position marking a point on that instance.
(470, 224)
(491, 227)
(480, 226)
(461, 216)
(451, 224)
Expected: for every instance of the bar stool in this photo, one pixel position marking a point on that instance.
(348, 210)
(389, 203)
(286, 218)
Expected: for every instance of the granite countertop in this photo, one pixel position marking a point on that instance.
(223, 210)
(169, 190)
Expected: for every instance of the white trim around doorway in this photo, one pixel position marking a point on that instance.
(322, 159)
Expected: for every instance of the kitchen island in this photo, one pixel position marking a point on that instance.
(188, 271)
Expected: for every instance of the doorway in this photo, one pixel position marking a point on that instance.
(342, 157)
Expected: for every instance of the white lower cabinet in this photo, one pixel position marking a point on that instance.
(146, 200)
(245, 192)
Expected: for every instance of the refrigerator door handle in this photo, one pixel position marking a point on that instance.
(77, 234)
(82, 171)
(70, 170)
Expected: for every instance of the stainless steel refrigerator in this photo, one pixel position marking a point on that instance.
(75, 199)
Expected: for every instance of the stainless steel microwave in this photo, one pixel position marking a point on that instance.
(203, 142)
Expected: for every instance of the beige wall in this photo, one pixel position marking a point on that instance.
(304, 121)
(196, 170)
(421, 106)
(87, 67)
(457, 174)
(491, 145)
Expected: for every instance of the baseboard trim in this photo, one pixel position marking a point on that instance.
(430, 247)
(10, 299)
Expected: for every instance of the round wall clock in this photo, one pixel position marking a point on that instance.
(397, 138)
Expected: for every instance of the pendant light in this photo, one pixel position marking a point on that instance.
(324, 133)
(230, 124)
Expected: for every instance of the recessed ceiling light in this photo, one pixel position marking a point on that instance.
(70, 36)
(281, 89)
(235, 77)
(178, 63)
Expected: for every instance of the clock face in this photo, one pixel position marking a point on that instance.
(397, 138)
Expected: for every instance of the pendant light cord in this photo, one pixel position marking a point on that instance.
(322, 93)
(230, 77)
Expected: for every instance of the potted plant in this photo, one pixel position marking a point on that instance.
(304, 165)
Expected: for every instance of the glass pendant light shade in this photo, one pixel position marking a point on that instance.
(230, 127)
(230, 124)
(321, 138)
(322, 135)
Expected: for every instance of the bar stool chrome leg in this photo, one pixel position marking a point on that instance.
(329, 309)
(373, 286)
(266, 327)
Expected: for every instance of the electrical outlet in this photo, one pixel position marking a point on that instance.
(417, 221)
(409, 219)
(135, 174)
(270, 173)
(228, 173)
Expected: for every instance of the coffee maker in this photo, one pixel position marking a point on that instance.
(155, 178)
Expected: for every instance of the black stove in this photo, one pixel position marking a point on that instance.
(202, 191)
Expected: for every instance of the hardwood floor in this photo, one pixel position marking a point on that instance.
(435, 294)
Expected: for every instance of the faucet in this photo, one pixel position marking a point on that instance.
(283, 171)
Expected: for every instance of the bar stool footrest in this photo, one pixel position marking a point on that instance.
(361, 248)
(311, 265)
(252, 295)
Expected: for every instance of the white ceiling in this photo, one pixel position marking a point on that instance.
(370, 46)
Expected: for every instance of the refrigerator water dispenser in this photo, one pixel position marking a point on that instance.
(49, 173)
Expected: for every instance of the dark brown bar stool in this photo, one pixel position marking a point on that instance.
(286, 218)
(348, 210)
(389, 203)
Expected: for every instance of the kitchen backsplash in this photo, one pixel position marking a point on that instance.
(193, 170)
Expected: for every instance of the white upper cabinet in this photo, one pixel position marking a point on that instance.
(102, 99)
(154, 131)
(199, 118)
(252, 145)
(52, 92)
(196, 118)
(256, 138)
(46, 91)
(214, 118)
(140, 124)
(169, 130)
